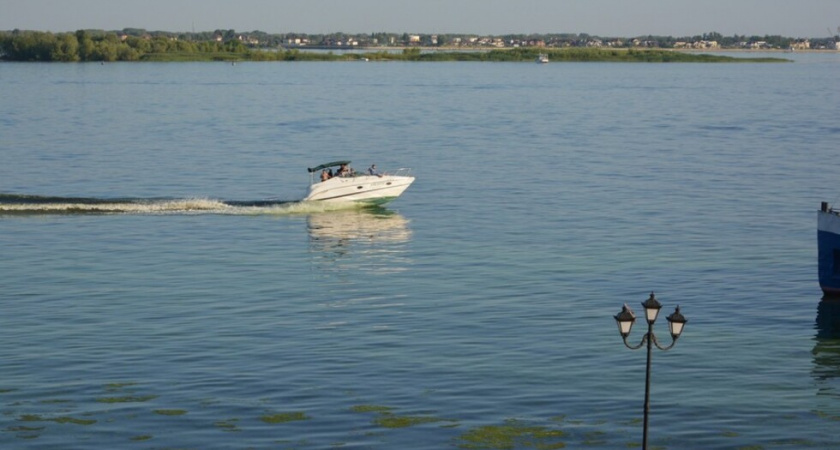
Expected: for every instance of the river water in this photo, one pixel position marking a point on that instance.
(161, 287)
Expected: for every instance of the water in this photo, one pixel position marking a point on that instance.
(162, 288)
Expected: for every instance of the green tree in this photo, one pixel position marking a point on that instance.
(86, 45)
(65, 48)
(159, 45)
(126, 53)
(140, 45)
(183, 46)
(235, 46)
(104, 50)
(35, 46)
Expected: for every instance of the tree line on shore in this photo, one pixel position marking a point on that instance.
(88, 46)
(137, 45)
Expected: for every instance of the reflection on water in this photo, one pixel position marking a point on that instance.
(828, 319)
(362, 239)
(827, 348)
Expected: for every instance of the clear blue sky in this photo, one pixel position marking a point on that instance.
(621, 18)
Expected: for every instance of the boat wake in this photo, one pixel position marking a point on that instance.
(17, 204)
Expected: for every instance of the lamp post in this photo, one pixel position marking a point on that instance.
(625, 320)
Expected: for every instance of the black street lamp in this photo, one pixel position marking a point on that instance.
(625, 320)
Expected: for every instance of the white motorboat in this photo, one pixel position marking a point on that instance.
(351, 186)
(542, 58)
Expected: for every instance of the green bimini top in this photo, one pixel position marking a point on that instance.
(329, 164)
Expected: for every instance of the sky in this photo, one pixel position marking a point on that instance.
(605, 18)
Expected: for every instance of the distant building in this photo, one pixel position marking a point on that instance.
(800, 45)
(699, 45)
(756, 45)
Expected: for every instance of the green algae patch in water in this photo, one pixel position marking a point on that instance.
(227, 425)
(394, 421)
(594, 438)
(24, 432)
(825, 415)
(371, 409)
(284, 417)
(63, 419)
(24, 429)
(127, 399)
(386, 419)
(170, 412)
(513, 434)
(31, 418)
(74, 421)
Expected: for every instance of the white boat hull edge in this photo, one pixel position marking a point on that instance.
(360, 188)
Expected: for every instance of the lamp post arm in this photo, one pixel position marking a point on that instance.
(636, 347)
(656, 342)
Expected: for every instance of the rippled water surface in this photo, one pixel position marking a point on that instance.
(161, 287)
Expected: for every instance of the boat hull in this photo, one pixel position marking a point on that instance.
(361, 188)
(828, 245)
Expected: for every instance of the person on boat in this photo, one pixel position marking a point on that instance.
(344, 171)
(325, 175)
(373, 171)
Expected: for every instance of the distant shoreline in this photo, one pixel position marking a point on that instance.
(762, 50)
(456, 49)
(84, 47)
(688, 50)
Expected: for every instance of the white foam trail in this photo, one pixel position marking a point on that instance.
(136, 207)
(174, 206)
